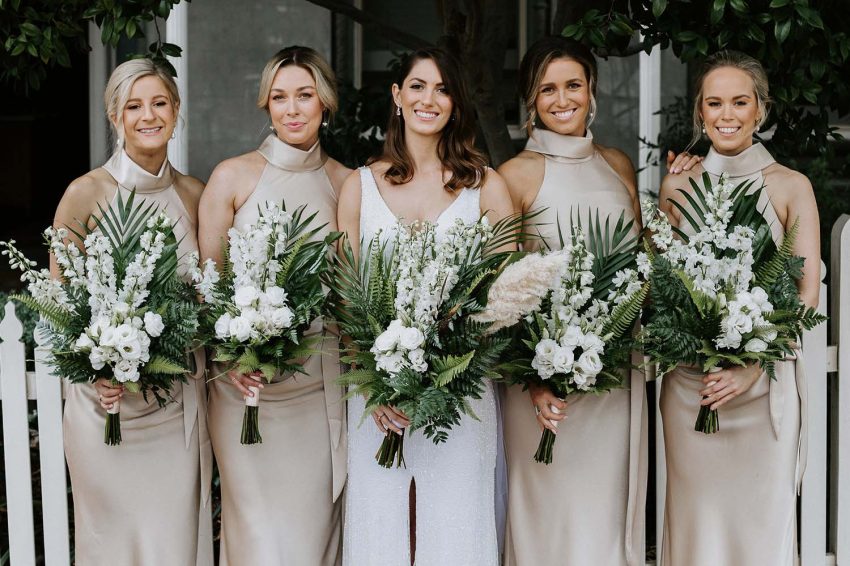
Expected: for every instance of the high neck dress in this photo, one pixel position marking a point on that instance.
(280, 498)
(455, 506)
(138, 503)
(732, 495)
(586, 508)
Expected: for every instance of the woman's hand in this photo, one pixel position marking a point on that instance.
(243, 381)
(390, 419)
(107, 394)
(725, 385)
(549, 408)
(682, 162)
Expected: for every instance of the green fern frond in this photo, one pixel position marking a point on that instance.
(163, 366)
(770, 271)
(624, 315)
(449, 367)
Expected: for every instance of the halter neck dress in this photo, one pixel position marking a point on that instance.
(280, 499)
(731, 496)
(138, 503)
(586, 508)
(455, 502)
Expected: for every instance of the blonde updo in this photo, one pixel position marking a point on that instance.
(120, 83)
(735, 60)
(309, 60)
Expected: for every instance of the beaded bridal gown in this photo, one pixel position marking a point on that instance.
(455, 522)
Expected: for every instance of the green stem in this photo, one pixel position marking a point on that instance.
(112, 430)
(544, 449)
(391, 451)
(251, 426)
(708, 421)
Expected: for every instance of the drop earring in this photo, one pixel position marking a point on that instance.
(703, 129)
(397, 110)
(173, 134)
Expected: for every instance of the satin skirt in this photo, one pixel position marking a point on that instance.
(137, 503)
(586, 508)
(732, 495)
(278, 504)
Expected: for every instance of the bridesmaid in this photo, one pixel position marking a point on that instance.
(280, 499)
(587, 507)
(138, 503)
(731, 496)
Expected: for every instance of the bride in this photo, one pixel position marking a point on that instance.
(438, 510)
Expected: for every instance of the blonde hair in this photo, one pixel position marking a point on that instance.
(121, 83)
(309, 60)
(735, 60)
(537, 59)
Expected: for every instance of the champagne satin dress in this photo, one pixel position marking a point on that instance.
(732, 495)
(137, 503)
(280, 499)
(586, 508)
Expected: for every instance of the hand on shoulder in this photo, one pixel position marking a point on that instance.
(523, 175)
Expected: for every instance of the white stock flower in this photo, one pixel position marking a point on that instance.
(153, 324)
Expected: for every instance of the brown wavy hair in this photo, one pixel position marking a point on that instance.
(456, 148)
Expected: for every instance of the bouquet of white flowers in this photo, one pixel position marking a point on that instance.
(269, 291)
(407, 306)
(725, 295)
(577, 309)
(119, 310)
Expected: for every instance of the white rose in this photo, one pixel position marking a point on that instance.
(282, 317)
(417, 360)
(592, 343)
(740, 323)
(755, 345)
(275, 296)
(562, 360)
(84, 343)
(572, 336)
(153, 324)
(589, 364)
(245, 296)
(222, 326)
(240, 329)
(411, 338)
(545, 349)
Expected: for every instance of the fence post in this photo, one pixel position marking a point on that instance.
(840, 322)
(16, 440)
(54, 488)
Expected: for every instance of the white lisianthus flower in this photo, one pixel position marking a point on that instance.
(755, 345)
(98, 358)
(107, 336)
(592, 343)
(411, 338)
(544, 369)
(282, 317)
(222, 326)
(95, 329)
(153, 324)
(275, 296)
(84, 343)
(562, 360)
(245, 296)
(392, 363)
(125, 334)
(387, 340)
(131, 351)
(588, 363)
(572, 336)
(739, 322)
(769, 335)
(240, 329)
(545, 349)
(126, 370)
(417, 360)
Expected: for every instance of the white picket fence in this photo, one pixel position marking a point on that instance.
(825, 501)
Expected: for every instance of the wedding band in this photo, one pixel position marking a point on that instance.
(536, 410)
(100, 398)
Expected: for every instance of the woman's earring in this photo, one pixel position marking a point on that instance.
(173, 134)
(271, 128)
(397, 110)
(703, 129)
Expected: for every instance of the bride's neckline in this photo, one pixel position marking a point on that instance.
(398, 218)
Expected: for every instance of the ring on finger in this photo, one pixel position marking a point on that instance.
(536, 410)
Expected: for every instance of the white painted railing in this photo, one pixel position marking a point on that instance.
(824, 537)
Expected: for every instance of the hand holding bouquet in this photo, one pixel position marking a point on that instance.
(725, 295)
(407, 305)
(119, 310)
(269, 291)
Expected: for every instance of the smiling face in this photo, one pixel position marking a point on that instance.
(149, 116)
(563, 98)
(294, 107)
(729, 109)
(426, 105)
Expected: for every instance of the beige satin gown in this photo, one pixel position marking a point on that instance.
(137, 503)
(586, 508)
(280, 499)
(732, 495)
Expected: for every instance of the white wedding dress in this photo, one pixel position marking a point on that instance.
(455, 520)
